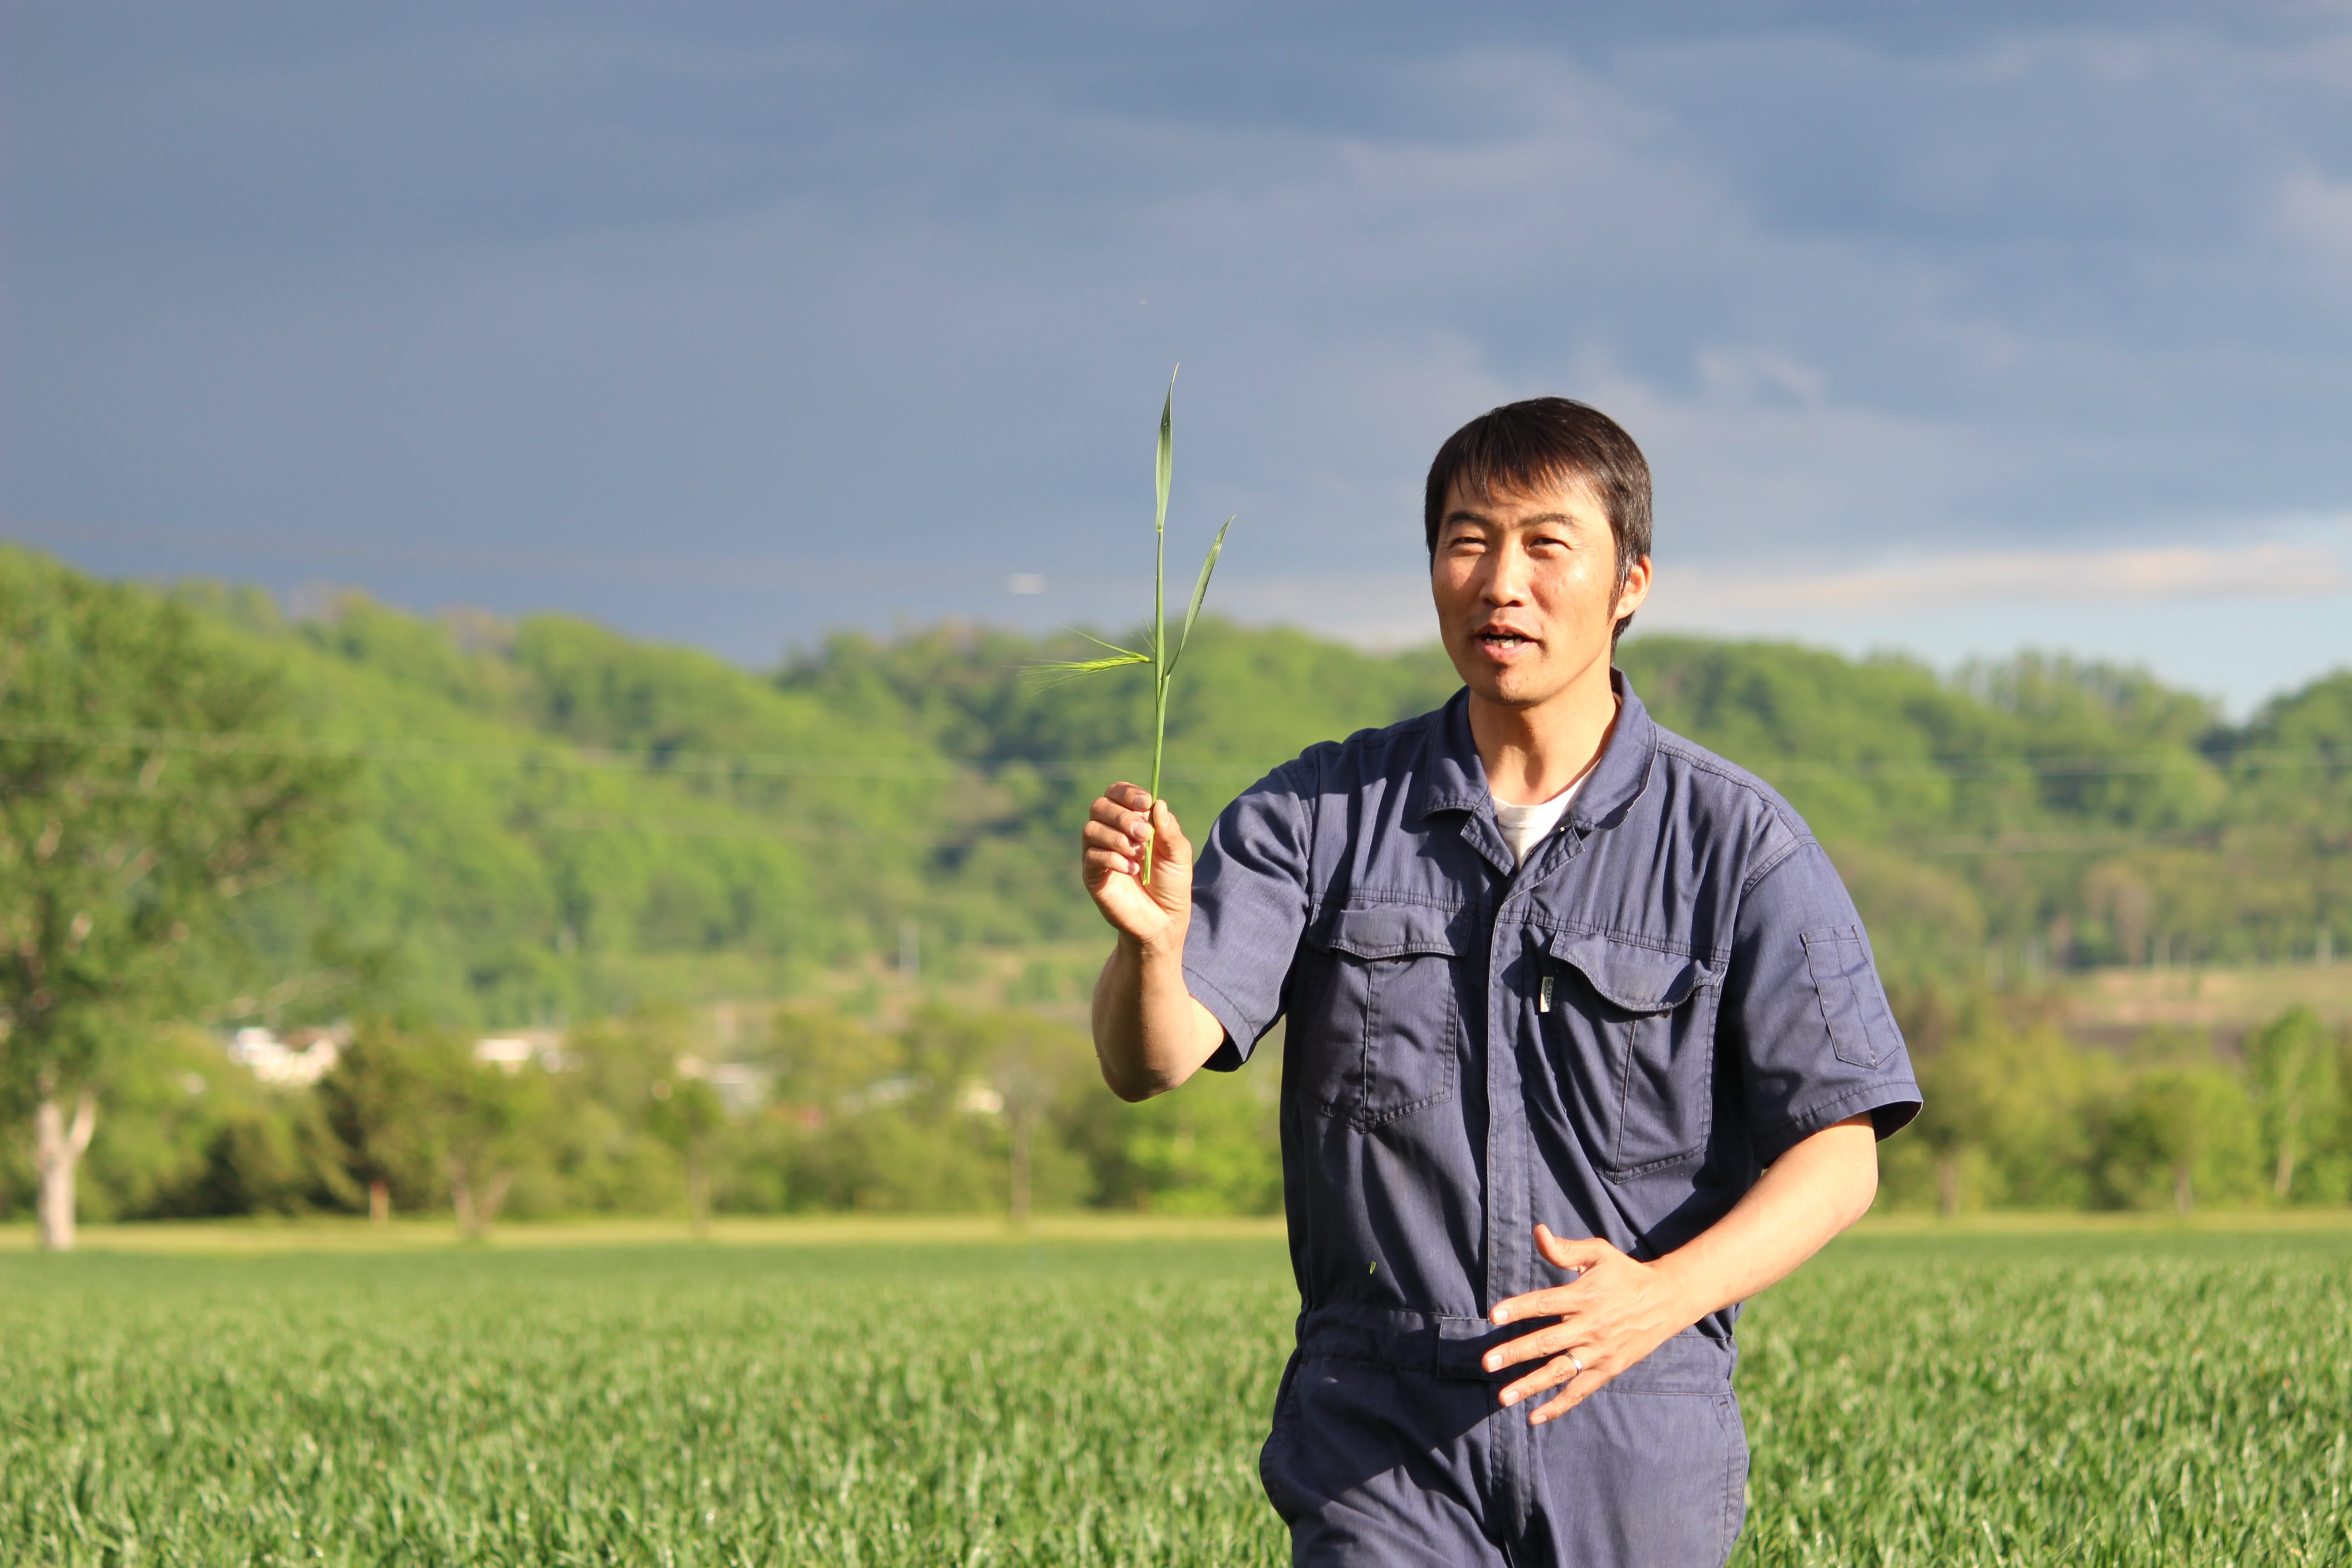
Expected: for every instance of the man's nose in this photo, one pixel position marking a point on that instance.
(1506, 576)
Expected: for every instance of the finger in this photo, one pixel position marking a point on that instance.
(1583, 1387)
(1174, 847)
(1133, 796)
(1549, 1302)
(1101, 863)
(1528, 1347)
(1583, 1253)
(1131, 825)
(1551, 1374)
(1104, 835)
(1115, 812)
(1119, 855)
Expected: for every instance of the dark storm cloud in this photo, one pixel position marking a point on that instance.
(851, 302)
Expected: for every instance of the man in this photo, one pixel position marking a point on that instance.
(1585, 1047)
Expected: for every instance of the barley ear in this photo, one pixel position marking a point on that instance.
(1055, 672)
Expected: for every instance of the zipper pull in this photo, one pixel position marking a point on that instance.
(1543, 995)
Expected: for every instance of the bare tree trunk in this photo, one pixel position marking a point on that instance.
(697, 1193)
(476, 1211)
(2183, 1197)
(1019, 1210)
(379, 1201)
(494, 1196)
(1948, 1185)
(461, 1198)
(2285, 1177)
(57, 1148)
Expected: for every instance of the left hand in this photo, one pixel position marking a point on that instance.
(1614, 1313)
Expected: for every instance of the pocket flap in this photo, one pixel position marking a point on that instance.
(1390, 930)
(1638, 979)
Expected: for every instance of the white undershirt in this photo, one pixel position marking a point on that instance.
(1525, 826)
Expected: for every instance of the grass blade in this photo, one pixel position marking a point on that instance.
(1163, 471)
(1199, 592)
(1159, 657)
(1167, 468)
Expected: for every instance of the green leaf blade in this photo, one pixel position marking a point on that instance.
(1200, 592)
(1166, 470)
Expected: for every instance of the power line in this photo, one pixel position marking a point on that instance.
(695, 828)
(2113, 765)
(762, 572)
(557, 753)
(2063, 841)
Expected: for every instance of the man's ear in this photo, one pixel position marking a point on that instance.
(1636, 588)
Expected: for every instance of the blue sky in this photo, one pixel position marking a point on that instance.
(1946, 328)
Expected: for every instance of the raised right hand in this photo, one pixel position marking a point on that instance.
(1123, 820)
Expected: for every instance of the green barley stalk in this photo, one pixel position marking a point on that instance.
(1161, 659)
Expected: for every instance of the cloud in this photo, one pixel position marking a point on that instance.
(824, 285)
(2265, 571)
(1392, 609)
(2316, 213)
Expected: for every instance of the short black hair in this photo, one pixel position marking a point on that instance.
(1546, 440)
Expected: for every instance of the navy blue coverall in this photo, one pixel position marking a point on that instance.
(1615, 1039)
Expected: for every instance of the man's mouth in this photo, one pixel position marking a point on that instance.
(1502, 641)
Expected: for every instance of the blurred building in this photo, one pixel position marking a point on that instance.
(297, 1061)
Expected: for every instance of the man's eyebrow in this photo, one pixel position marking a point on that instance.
(1553, 518)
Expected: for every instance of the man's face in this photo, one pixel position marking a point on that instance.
(1526, 584)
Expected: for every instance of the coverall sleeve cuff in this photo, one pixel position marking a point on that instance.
(1891, 1106)
(1231, 1053)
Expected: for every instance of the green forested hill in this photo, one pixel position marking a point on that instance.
(556, 821)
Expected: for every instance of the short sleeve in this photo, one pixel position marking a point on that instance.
(1249, 908)
(1804, 1005)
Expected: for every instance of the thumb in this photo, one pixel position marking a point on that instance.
(1168, 835)
(1585, 1252)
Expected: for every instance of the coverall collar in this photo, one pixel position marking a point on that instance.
(1452, 778)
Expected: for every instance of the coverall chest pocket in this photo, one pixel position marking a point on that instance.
(1633, 1030)
(1376, 1039)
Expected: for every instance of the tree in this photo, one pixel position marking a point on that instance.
(378, 1101)
(2293, 1068)
(687, 1115)
(415, 1110)
(1029, 1063)
(147, 778)
(2013, 1108)
(1212, 1147)
(483, 1122)
(2189, 1124)
(1960, 1083)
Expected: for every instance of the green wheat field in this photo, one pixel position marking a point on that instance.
(2075, 1394)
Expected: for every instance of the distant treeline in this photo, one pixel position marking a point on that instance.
(458, 824)
(553, 820)
(997, 1112)
(2020, 1116)
(959, 1111)
(549, 820)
